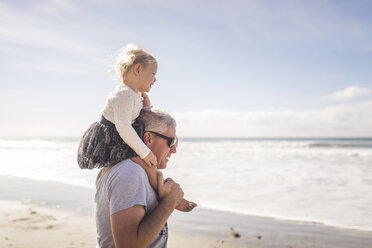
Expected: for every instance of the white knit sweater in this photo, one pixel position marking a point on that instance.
(122, 108)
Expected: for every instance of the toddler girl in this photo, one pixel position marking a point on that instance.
(103, 144)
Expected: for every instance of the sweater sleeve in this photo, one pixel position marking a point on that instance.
(123, 108)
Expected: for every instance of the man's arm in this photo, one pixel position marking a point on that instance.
(131, 228)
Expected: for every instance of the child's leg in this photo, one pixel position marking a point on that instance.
(185, 205)
(152, 175)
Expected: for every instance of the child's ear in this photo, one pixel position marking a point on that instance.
(137, 68)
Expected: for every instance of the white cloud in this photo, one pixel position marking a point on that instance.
(71, 118)
(348, 93)
(23, 28)
(341, 120)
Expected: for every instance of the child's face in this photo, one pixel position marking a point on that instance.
(147, 77)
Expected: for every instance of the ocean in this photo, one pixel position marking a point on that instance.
(325, 180)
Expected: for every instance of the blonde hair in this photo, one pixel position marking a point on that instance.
(130, 55)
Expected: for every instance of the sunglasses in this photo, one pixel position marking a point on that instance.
(171, 141)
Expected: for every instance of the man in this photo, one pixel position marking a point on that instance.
(128, 213)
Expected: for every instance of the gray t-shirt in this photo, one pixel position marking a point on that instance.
(120, 187)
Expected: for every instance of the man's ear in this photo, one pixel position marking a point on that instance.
(147, 138)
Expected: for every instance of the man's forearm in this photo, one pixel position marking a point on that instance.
(152, 224)
(170, 194)
(131, 228)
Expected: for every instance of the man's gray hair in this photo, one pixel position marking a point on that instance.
(156, 120)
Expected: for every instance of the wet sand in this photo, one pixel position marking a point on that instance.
(214, 229)
(24, 224)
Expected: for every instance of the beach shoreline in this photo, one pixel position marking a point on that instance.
(51, 214)
(26, 224)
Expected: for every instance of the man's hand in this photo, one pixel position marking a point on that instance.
(169, 191)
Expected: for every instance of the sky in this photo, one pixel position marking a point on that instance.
(227, 68)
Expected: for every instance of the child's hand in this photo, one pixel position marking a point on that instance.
(150, 160)
(186, 206)
(146, 100)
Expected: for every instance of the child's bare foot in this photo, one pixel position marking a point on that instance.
(186, 206)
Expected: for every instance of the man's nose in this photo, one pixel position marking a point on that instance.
(173, 149)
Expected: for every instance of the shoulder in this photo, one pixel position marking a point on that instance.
(127, 172)
(125, 185)
(125, 90)
(127, 166)
(123, 93)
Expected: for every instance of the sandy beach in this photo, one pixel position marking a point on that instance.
(50, 214)
(25, 224)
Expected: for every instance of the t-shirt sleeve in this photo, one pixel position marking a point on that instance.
(127, 190)
(123, 105)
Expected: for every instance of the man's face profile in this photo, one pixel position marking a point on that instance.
(160, 148)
